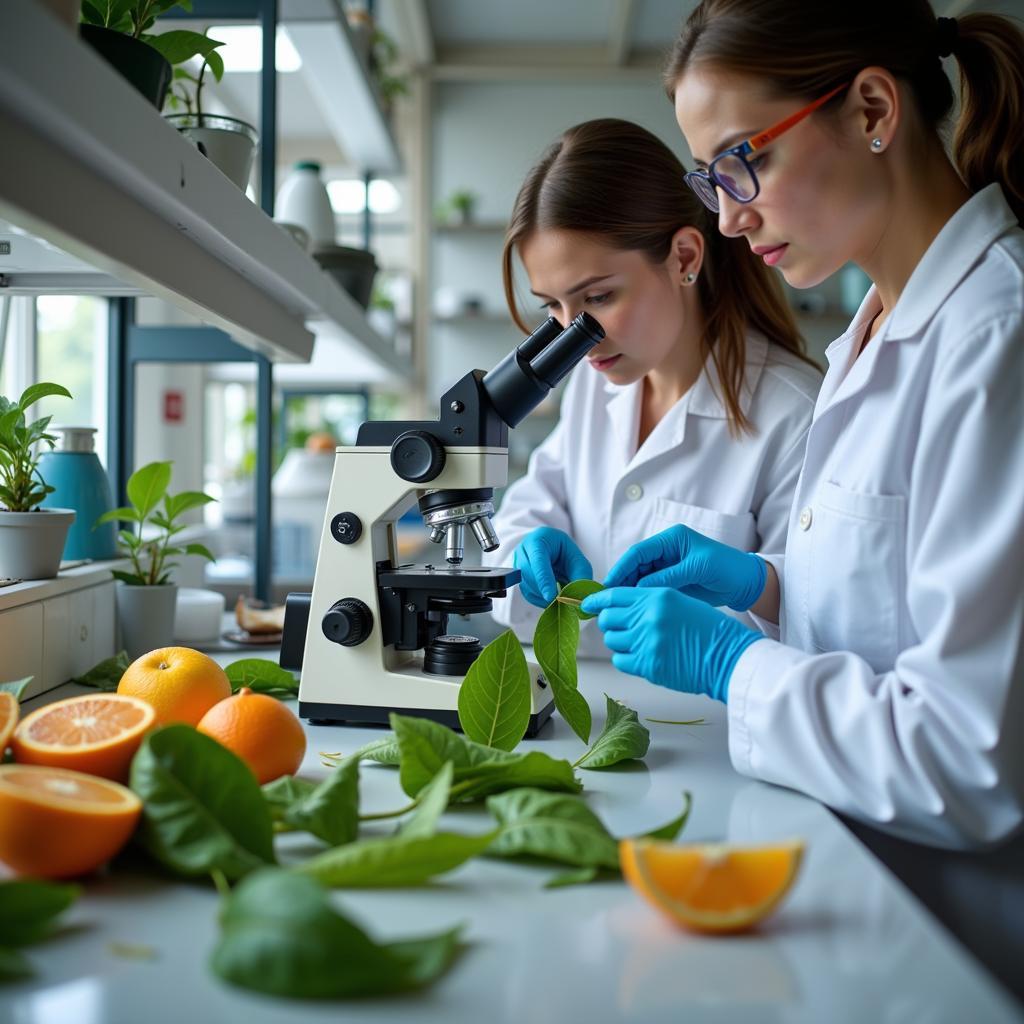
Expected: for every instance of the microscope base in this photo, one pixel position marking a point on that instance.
(358, 715)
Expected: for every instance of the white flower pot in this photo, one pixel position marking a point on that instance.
(146, 617)
(229, 144)
(31, 543)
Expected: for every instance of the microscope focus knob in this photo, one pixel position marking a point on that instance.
(348, 622)
(417, 456)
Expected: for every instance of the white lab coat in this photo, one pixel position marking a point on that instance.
(589, 480)
(897, 692)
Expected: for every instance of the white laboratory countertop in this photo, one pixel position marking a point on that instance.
(849, 944)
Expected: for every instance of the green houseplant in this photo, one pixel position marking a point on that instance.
(119, 30)
(31, 538)
(229, 144)
(146, 595)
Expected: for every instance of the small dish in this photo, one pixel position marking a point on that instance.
(240, 636)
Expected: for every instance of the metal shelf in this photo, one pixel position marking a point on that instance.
(96, 178)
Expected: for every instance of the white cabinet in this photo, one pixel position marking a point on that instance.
(21, 646)
(54, 630)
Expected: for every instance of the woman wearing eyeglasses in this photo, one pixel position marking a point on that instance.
(892, 687)
(694, 407)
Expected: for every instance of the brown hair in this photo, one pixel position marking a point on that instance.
(616, 181)
(804, 54)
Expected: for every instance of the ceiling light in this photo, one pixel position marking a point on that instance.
(243, 48)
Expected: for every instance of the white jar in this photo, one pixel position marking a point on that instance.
(303, 200)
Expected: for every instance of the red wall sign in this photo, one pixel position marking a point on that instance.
(174, 407)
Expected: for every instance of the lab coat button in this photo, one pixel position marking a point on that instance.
(634, 492)
(805, 518)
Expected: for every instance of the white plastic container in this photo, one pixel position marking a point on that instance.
(303, 200)
(198, 615)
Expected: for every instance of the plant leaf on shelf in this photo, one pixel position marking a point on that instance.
(107, 674)
(670, 830)
(261, 675)
(494, 698)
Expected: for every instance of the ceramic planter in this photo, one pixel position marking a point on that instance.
(146, 617)
(229, 144)
(31, 542)
(147, 69)
(353, 269)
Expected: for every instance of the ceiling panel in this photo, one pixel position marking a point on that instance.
(464, 22)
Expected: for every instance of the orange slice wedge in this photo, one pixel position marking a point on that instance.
(95, 734)
(9, 710)
(56, 823)
(711, 888)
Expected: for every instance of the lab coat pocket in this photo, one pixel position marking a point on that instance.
(857, 579)
(738, 531)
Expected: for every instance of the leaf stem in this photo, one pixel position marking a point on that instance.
(219, 880)
(568, 600)
(667, 721)
(383, 815)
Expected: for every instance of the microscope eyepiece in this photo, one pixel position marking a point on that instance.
(521, 381)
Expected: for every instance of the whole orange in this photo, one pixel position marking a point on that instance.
(56, 823)
(181, 684)
(260, 730)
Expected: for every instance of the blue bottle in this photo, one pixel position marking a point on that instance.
(79, 482)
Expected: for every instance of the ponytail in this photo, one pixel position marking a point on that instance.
(988, 141)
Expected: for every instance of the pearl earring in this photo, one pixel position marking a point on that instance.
(690, 278)
(876, 145)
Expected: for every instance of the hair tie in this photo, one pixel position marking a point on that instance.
(947, 35)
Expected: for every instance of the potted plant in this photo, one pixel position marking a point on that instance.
(461, 205)
(229, 144)
(31, 538)
(119, 31)
(146, 596)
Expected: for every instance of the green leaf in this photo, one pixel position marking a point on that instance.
(553, 826)
(262, 676)
(398, 860)
(432, 803)
(107, 674)
(131, 578)
(494, 698)
(330, 810)
(13, 965)
(578, 876)
(146, 486)
(622, 738)
(34, 392)
(578, 591)
(282, 937)
(285, 791)
(555, 640)
(383, 751)
(202, 808)
(118, 515)
(28, 909)
(671, 829)
(216, 62)
(176, 504)
(17, 687)
(479, 770)
(181, 45)
(198, 549)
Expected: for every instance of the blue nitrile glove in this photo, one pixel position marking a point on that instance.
(669, 638)
(695, 565)
(546, 556)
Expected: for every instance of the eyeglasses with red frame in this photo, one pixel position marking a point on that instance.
(731, 170)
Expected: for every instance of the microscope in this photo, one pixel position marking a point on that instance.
(372, 637)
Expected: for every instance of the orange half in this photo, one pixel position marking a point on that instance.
(9, 711)
(56, 823)
(97, 734)
(711, 888)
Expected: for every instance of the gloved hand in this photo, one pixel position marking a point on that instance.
(695, 565)
(546, 556)
(669, 638)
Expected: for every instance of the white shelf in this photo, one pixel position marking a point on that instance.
(99, 181)
(66, 581)
(341, 83)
